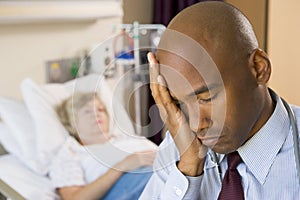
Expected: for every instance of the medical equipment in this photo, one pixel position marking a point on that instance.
(295, 135)
(135, 32)
(292, 119)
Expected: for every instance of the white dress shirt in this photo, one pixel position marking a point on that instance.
(268, 170)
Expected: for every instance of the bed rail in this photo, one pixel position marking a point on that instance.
(8, 192)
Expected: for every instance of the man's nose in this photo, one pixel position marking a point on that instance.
(199, 120)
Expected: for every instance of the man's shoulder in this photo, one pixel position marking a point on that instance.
(296, 110)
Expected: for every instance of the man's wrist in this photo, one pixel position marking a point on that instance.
(191, 169)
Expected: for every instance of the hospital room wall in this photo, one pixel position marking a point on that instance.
(26, 46)
(283, 48)
(277, 26)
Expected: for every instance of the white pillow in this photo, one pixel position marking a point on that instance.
(41, 101)
(17, 133)
(50, 133)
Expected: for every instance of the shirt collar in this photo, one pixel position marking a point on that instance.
(260, 151)
(213, 159)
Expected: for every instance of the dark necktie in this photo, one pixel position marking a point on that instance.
(232, 188)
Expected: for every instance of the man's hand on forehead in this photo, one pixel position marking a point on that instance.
(158, 84)
(191, 151)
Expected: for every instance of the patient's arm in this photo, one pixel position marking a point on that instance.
(100, 186)
(94, 190)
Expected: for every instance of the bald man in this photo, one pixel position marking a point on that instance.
(209, 79)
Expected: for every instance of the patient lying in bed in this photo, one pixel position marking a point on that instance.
(43, 158)
(79, 171)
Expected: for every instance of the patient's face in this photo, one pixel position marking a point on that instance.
(92, 121)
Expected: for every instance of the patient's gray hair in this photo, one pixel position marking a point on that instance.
(68, 108)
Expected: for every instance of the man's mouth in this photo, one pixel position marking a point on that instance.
(209, 140)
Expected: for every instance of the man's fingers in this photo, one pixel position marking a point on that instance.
(163, 91)
(151, 58)
(167, 103)
(159, 89)
(161, 81)
(153, 73)
(153, 67)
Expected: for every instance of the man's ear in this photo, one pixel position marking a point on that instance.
(260, 66)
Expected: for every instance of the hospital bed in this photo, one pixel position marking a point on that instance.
(31, 134)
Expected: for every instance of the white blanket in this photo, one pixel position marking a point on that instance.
(26, 182)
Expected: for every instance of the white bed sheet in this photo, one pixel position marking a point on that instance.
(26, 182)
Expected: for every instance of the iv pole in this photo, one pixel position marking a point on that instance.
(135, 27)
